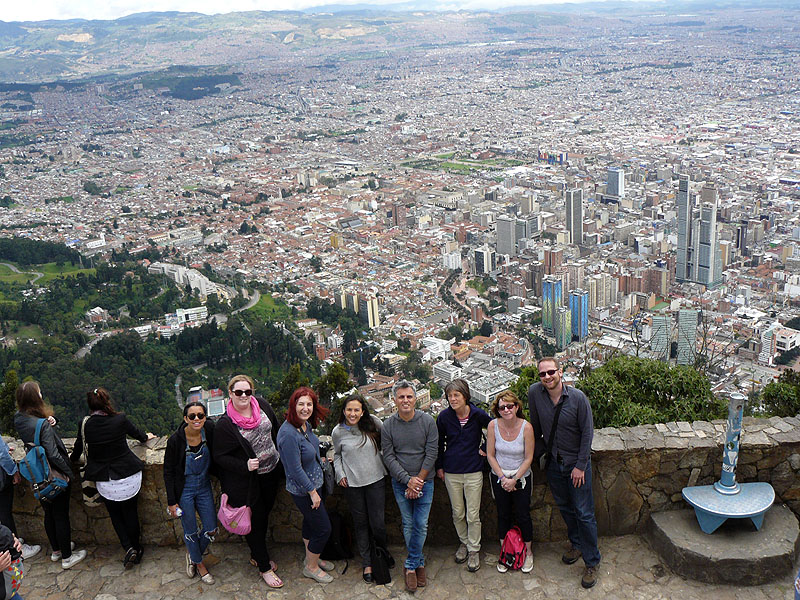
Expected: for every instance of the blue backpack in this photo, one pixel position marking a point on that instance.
(47, 483)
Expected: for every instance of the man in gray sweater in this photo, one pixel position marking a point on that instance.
(410, 442)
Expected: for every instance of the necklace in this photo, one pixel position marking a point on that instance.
(508, 431)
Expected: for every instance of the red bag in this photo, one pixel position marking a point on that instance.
(234, 519)
(513, 551)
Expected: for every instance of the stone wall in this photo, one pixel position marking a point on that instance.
(636, 470)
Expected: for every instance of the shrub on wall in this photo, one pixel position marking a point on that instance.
(629, 391)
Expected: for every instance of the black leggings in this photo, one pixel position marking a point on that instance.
(7, 504)
(125, 519)
(513, 507)
(257, 538)
(56, 523)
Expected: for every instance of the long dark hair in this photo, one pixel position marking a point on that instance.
(365, 424)
(100, 399)
(29, 400)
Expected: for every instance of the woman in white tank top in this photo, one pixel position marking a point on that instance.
(509, 449)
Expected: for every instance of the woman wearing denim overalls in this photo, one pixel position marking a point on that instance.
(187, 462)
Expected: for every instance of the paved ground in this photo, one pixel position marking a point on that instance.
(630, 571)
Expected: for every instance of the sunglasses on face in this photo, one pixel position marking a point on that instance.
(242, 392)
(195, 416)
(548, 373)
(503, 407)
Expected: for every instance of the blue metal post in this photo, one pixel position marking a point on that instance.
(730, 455)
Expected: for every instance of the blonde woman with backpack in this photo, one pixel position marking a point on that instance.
(509, 449)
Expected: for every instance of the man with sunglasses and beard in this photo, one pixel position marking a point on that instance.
(566, 459)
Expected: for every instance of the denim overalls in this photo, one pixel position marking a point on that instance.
(198, 497)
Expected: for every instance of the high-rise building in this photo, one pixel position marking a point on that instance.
(579, 307)
(534, 273)
(616, 182)
(368, 311)
(551, 300)
(562, 327)
(505, 230)
(485, 260)
(767, 354)
(661, 336)
(699, 259)
(553, 257)
(574, 202)
(687, 336)
(685, 207)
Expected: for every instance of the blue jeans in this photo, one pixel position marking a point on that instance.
(415, 521)
(197, 497)
(577, 509)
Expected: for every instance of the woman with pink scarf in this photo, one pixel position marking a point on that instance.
(250, 473)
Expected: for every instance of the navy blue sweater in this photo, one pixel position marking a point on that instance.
(458, 446)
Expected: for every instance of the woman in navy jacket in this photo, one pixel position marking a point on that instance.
(460, 464)
(116, 470)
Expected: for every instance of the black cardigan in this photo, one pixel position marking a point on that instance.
(231, 453)
(175, 460)
(109, 454)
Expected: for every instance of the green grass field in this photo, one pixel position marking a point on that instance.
(50, 270)
(24, 332)
(268, 309)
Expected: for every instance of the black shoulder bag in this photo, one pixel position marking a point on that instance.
(544, 460)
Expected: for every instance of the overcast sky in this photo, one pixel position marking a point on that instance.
(38, 10)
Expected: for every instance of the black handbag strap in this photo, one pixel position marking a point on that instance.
(552, 435)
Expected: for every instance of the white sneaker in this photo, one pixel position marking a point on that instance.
(74, 559)
(30, 551)
(501, 567)
(56, 556)
(527, 566)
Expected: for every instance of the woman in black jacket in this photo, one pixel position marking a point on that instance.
(116, 470)
(187, 462)
(245, 452)
(30, 410)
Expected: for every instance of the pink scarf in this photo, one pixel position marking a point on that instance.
(241, 421)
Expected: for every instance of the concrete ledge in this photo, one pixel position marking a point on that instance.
(736, 553)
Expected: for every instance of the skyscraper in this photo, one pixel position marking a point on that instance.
(562, 327)
(574, 202)
(579, 307)
(485, 260)
(687, 336)
(662, 334)
(616, 182)
(505, 229)
(699, 258)
(551, 300)
(368, 311)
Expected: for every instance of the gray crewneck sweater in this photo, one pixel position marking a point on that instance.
(410, 446)
(361, 464)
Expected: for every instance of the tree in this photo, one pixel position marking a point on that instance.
(8, 401)
(782, 398)
(328, 387)
(435, 390)
(291, 381)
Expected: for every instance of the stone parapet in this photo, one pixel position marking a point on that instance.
(637, 471)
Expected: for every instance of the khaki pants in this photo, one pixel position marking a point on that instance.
(465, 490)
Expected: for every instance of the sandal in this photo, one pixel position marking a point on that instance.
(271, 579)
(272, 564)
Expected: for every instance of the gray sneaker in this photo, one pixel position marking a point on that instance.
(473, 562)
(461, 554)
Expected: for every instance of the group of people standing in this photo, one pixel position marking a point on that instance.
(252, 452)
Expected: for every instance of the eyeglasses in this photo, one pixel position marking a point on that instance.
(503, 407)
(548, 373)
(195, 416)
(243, 392)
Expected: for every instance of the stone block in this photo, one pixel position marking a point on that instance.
(685, 426)
(676, 442)
(607, 443)
(634, 441)
(693, 477)
(766, 555)
(694, 458)
(748, 455)
(624, 504)
(771, 460)
(794, 461)
(658, 501)
(787, 437)
(643, 466)
(783, 478)
(746, 472)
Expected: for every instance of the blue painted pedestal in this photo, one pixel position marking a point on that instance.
(713, 508)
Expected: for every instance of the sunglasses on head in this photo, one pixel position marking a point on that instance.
(548, 373)
(195, 416)
(243, 392)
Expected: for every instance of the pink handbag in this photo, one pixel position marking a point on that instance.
(235, 520)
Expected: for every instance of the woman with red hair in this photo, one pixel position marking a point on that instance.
(299, 450)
